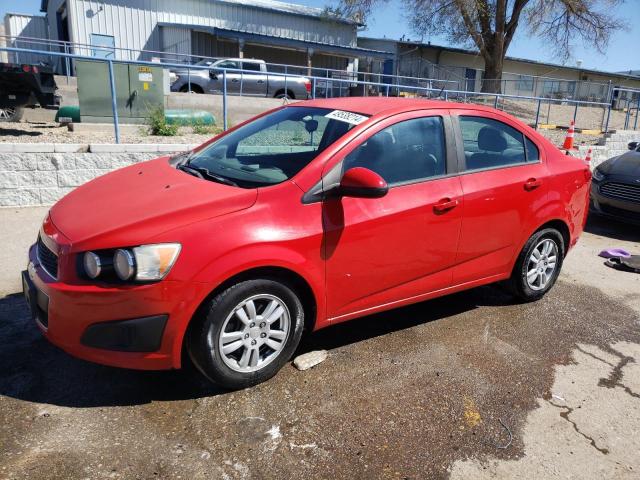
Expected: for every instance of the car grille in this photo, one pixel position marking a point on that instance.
(621, 191)
(48, 259)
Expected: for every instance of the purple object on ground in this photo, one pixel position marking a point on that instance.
(614, 253)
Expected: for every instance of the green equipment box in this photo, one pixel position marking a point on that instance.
(139, 90)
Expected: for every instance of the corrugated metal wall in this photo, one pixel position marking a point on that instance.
(207, 45)
(23, 27)
(134, 23)
(4, 58)
(176, 40)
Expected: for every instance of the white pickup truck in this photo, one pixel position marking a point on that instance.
(253, 80)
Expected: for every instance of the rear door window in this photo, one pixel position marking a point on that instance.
(533, 154)
(490, 143)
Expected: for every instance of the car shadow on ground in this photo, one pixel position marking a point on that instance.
(33, 370)
(13, 132)
(614, 229)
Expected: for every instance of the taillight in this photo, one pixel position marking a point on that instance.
(307, 86)
(26, 68)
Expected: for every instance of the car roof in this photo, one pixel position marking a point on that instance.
(387, 105)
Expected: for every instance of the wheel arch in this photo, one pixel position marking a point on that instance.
(294, 280)
(562, 227)
(282, 91)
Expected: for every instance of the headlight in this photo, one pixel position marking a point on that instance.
(598, 175)
(172, 78)
(146, 263)
(153, 262)
(124, 264)
(92, 264)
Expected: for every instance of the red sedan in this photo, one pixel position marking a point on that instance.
(306, 216)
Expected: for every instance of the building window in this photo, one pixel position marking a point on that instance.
(103, 45)
(525, 83)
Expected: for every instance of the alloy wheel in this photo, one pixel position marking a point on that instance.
(542, 264)
(254, 333)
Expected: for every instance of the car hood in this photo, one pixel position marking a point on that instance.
(132, 205)
(627, 164)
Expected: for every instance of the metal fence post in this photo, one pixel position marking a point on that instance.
(626, 117)
(114, 103)
(635, 123)
(575, 114)
(285, 81)
(313, 93)
(495, 102)
(538, 113)
(387, 89)
(67, 63)
(224, 101)
(606, 123)
(189, 79)
(326, 84)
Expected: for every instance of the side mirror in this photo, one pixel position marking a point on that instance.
(633, 145)
(213, 75)
(361, 182)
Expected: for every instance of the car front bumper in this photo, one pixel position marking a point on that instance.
(132, 326)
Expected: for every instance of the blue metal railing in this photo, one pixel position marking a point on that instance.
(427, 91)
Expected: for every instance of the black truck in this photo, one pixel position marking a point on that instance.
(25, 86)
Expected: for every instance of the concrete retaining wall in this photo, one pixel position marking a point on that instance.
(41, 174)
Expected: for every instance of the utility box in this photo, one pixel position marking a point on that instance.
(139, 90)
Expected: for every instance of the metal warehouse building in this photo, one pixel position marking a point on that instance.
(274, 31)
(465, 70)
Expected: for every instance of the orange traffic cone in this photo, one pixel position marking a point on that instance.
(588, 157)
(568, 140)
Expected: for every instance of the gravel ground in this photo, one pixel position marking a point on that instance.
(51, 132)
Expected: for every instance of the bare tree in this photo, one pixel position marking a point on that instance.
(490, 25)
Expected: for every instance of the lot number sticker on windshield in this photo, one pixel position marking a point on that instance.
(349, 117)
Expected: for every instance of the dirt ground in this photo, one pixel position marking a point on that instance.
(467, 386)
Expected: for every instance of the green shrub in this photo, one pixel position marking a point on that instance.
(158, 124)
(200, 128)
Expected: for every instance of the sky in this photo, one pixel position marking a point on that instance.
(387, 21)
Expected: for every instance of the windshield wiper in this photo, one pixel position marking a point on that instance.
(204, 173)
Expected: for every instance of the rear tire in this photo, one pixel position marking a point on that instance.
(194, 89)
(11, 114)
(538, 265)
(247, 333)
(281, 94)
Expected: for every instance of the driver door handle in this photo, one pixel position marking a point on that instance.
(532, 184)
(445, 205)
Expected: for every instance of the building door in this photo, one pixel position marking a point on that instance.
(387, 71)
(470, 76)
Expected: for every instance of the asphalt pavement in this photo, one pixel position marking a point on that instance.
(472, 385)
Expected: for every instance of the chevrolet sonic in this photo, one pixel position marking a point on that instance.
(303, 217)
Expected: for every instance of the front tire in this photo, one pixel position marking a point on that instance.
(247, 333)
(538, 265)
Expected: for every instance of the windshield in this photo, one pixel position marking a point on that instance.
(275, 147)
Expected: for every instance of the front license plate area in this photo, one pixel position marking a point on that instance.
(38, 301)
